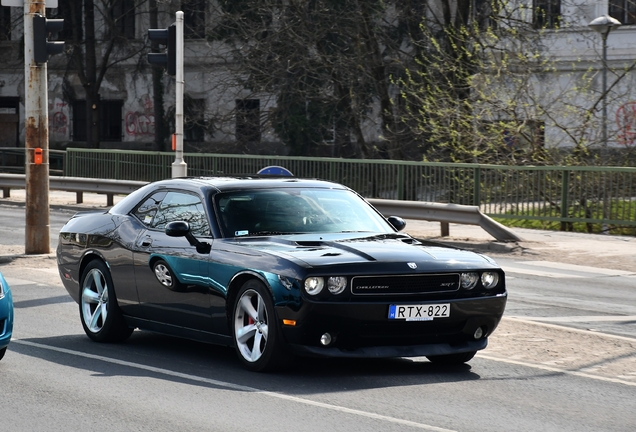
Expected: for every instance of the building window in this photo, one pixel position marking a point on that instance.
(194, 124)
(5, 24)
(9, 121)
(623, 10)
(123, 17)
(72, 13)
(484, 14)
(546, 13)
(248, 120)
(110, 120)
(193, 19)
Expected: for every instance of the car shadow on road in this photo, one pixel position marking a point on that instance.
(195, 363)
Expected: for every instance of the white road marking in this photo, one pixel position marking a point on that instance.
(50, 270)
(570, 329)
(575, 319)
(13, 282)
(579, 268)
(239, 387)
(563, 270)
(533, 272)
(557, 370)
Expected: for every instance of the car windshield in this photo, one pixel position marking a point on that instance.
(294, 210)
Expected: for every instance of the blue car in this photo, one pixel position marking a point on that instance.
(6, 316)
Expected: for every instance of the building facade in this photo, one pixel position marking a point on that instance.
(222, 115)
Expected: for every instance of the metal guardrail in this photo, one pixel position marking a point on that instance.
(601, 197)
(443, 213)
(593, 195)
(107, 187)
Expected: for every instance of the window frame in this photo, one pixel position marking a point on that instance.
(193, 19)
(546, 14)
(248, 121)
(625, 12)
(123, 16)
(109, 130)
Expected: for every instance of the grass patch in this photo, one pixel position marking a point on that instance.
(626, 210)
(582, 227)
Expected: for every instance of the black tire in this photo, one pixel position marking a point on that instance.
(255, 330)
(3, 351)
(452, 359)
(166, 276)
(100, 315)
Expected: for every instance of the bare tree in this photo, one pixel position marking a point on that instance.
(328, 63)
(485, 86)
(97, 36)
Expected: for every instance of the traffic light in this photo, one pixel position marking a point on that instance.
(167, 59)
(42, 48)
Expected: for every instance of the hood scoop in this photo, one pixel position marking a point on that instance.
(307, 243)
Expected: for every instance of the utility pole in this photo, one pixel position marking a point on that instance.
(36, 123)
(37, 234)
(172, 60)
(179, 167)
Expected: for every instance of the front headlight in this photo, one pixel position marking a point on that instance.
(489, 279)
(1, 289)
(336, 284)
(314, 285)
(469, 280)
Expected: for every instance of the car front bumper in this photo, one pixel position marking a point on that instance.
(6, 319)
(364, 330)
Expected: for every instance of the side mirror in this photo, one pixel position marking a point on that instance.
(182, 229)
(177, 229)
(397, 222)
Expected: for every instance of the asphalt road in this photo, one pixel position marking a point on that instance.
(563, 359)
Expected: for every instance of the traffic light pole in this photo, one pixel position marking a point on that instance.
(37, 234)
(179, 167)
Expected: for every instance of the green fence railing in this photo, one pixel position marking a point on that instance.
(12, 160)
(605, 195)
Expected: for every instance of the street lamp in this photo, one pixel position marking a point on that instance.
(604, 25)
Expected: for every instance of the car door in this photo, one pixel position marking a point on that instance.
(159, 258)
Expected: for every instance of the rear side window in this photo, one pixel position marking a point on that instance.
(164, 207)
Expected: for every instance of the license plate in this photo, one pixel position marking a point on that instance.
(426, 312)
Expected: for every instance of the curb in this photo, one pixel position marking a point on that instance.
(475, 245)
(492, 246)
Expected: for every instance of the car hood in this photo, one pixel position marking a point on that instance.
(316, 251)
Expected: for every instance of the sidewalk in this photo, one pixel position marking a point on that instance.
(595, 250)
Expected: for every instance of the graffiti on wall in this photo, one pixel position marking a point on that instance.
(58, 121)
(626, 121)
(139, 123)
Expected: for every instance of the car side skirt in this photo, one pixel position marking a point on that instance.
(182, 332)
(392, 351)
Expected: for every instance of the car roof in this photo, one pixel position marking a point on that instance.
(230, 183)
(215, 184)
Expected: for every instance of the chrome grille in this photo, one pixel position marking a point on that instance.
(404, 284)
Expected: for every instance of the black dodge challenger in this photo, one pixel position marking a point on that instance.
(275, 267)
